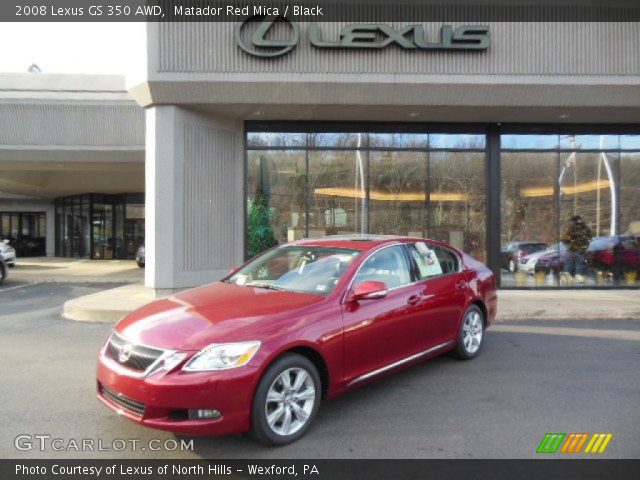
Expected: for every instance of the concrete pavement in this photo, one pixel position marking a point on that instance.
(71, 270)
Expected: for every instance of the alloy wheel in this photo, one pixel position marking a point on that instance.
(472, 331)
(290, 401)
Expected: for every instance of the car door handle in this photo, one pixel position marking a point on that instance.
(460, 284)
(415, 299)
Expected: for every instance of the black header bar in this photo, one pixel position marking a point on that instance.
(476, 11)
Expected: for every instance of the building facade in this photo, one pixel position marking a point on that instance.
(493, 149)
(71, 166)
(496, 147)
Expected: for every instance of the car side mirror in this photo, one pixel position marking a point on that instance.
(369, 290)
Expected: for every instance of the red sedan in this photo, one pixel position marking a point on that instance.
(310, 319)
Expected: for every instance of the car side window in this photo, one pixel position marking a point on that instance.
(388, 265)
(433, 261)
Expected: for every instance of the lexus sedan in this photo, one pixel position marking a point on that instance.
(312, 319)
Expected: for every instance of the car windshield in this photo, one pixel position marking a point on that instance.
(296, 268)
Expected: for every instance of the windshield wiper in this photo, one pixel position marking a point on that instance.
(268, 286)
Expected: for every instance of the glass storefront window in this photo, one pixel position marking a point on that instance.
(276, 187)
(377, 183)
(581, 201)
(456, 141)
(26, 232)
(589, 142)
(397, 195)
(275, 140)
(337, 193)
(629, 250)
(529, 142)
(95, 226)
(457, 206)
(399, 140)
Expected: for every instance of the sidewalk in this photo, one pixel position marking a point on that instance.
(111, 305)
(72, 270)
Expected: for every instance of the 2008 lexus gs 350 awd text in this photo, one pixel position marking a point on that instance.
(307, 320)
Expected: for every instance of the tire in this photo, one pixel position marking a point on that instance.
(3, 271)
(465, 350)
(273, 434)
(140, 264)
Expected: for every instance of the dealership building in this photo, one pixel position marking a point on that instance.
(242, 136)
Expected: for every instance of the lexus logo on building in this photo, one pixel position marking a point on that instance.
(261, 46)
(269, 36)
(125, 353)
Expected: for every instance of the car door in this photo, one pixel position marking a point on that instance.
(442, 289)
(381, 331)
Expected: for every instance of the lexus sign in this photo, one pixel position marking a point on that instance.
(257, 36)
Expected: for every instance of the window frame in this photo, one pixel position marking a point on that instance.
(416, 268)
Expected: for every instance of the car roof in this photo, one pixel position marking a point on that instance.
(358, 242)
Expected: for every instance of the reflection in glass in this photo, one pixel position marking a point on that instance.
(529, 218)
(589, 142)
(338, 140)
(630, 218)
(529, 142)
(276, 186)
(456, 140)
(277, 140)
(337, 193)
(398, 203)
(457, 200)
(398, 140)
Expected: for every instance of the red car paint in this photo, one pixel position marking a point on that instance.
(352, 338)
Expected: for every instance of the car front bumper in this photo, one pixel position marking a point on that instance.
(163, 400)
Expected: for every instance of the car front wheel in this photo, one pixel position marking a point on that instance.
(471, 333)
(286, 401)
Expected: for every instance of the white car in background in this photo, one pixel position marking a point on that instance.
(8, 253)
(528, 262)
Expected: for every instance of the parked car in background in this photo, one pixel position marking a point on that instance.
(604, 253)
(8, 253)
(3, 269)
(258, 350)
(512, 253)
(140, 257)
(529, 262)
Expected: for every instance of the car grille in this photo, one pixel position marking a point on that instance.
(141, 357)
(125, 402)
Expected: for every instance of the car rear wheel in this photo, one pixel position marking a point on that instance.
(3, 271)
(286, 401)
(471, 334)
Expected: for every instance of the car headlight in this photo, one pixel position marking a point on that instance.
(222, 356)
(168, 362)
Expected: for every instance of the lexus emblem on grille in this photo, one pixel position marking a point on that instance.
(125, 353)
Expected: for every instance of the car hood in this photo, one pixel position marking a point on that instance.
(216, 313)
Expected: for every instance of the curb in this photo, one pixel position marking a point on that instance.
(72, 310)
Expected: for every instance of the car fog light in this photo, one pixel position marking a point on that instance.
(204, 414)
